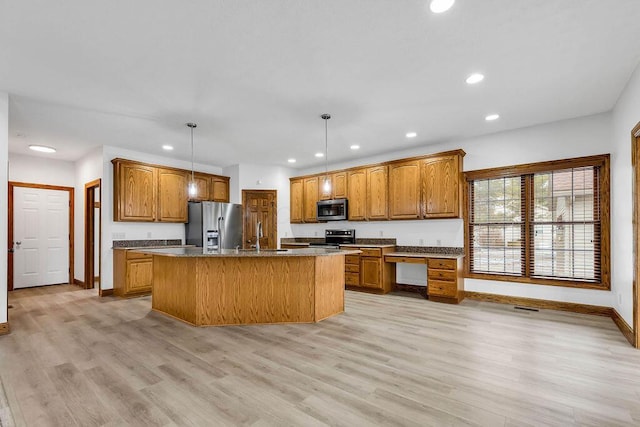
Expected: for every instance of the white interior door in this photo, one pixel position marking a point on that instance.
(41, 237)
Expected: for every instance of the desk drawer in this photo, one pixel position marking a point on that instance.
(405, 259)
(442, 263)
(135, 255)
(445, 275)
(352, 268)
(352, 279)
(377, 252)
(442, 289)
(352, 259)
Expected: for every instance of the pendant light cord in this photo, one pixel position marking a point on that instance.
(326, 150)
(192, 180)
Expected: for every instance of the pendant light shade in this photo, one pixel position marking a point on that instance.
(326, 187)
(193, 189)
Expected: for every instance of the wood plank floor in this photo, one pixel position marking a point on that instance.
(76, 359)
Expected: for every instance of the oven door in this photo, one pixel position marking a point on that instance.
(332, 210)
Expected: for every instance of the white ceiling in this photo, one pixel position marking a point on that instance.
(256, 75)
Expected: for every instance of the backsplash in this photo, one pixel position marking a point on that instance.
(145, 243)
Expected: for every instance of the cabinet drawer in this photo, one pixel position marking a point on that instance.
(445, 264)
(352, 259)
(135, 255)
(371, 252)
(446, 275)
(408, 259)
(352, 279)
(352, 268)
(444, 289)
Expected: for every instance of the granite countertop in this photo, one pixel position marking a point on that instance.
(426, 255)
(152, 247)
(203, 253)
(302, 244)
(361, 245)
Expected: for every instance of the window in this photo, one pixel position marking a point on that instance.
(543, 223)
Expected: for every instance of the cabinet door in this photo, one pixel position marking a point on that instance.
(404, 190)
(139, 275)
(357, 194)
(310, 199)
(441, 187)
(219, 189)
(371, 272)
(296, 199)
(134, 192)
(339, 185)
(203, 184)
(323, 192)
(377, 199)
(173, 196)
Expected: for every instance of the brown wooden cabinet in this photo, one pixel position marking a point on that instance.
(144, 192)
(377, 193)
(132, 273)
(339, 185)
(296, 198)
(441, 187)
(310, 197)
(444, 280)
(134, 192)
(357, 191)
(404, 190)
(368, 270)
(172, 195)
(323, 192)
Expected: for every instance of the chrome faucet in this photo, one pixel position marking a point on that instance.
(258, 235)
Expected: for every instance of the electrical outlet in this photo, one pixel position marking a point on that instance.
(315, 233)
(438, 242)
(149, 234)
(117, 236)
(381, 233)
(619, 298)
(286, 234)
(421, 242)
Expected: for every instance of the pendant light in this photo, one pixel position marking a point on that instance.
(326, 187)
(193, 189)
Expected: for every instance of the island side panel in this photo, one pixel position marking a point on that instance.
(243, 290)
(174, 287)
(329, 288)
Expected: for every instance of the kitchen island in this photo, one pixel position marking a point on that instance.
(206, 288)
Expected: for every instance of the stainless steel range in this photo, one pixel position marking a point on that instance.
(334, 238)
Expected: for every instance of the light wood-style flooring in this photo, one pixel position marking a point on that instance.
(74, 359)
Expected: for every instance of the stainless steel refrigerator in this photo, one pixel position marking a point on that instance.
(214, 225)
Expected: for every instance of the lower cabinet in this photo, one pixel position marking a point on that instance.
(444, 280)
(369, 271)
(132, 273)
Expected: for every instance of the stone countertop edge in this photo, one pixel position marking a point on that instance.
(135, 248)
(426, 255)
(231, 253)
(364, 245)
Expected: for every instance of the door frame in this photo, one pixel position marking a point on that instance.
(275, 213)
(635, 161)
(90, 206)
(12, 185)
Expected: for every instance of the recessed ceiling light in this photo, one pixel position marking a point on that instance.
(291, 160)
(42, 148)
(474, 78)
(319, 154)
(167, 147)
(411, 134)
(439, 6)
(355, 147)
(492, 117)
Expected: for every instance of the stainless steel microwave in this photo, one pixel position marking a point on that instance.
(332, 210)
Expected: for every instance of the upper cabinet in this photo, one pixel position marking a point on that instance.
(441, 186)
(296, 201)
(339, 185)
(310, 199)
(377, 193)
(134, 191)
(404, 190)
(324, 192)
(151, 193)
(357, 194)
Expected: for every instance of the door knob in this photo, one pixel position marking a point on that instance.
(18, 243)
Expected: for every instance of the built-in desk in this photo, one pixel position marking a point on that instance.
(444, 273)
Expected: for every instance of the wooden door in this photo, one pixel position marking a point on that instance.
(310, 199)
(404, 190)
(339, 185)
(377, 193)
(441, 187)
(260, 206)
(92, 232)
(42, 236)
(135, 192)
(371, 272)
(173, 195)
(203, 185)
(357, 194)
(296, 198)
(219, 189)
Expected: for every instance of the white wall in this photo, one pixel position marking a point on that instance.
(132, 230)
(4, 160)
(41, 170)
(626, 115)
(559, 140)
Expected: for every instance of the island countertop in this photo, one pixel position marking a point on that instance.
(244, 253)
